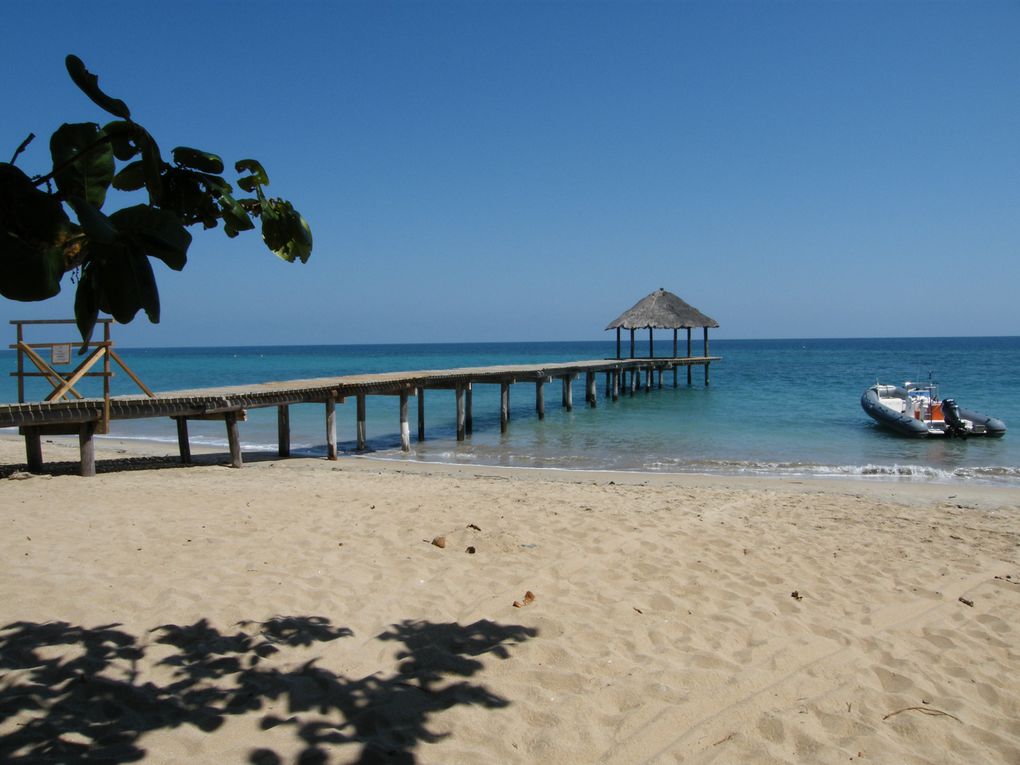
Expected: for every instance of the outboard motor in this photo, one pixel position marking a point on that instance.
(954, 423)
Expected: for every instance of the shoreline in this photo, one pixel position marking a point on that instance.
(135, 452)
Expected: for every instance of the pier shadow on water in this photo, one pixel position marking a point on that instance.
(91, 694)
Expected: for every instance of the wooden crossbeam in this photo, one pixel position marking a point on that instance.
(51, 375)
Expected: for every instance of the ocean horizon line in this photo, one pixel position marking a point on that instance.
(642, 339)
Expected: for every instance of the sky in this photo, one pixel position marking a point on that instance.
(518, 171)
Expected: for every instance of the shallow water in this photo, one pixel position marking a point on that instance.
(774, 407)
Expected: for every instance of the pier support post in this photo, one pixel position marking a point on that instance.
(659, 372)
(362, 442)
(504, 406)
(330, 429)
(540, 398)
(420, 395)
(689, 370)
(592, 390)
(33, 446)
(460, 412)
(648, 379)
(282, 431)
(233, 439)
(568, 392)
(616, 385)
(87, 447)
(183, 443)
(469, 419)
(609, 383)
(674, 375)
(633, 381)
(405, 428)
(706, 356)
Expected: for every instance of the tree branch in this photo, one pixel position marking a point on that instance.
(24, 145)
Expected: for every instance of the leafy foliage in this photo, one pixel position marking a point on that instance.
(39, 242)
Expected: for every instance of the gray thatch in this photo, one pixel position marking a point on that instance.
(662, 310)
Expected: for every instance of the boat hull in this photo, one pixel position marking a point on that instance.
(907, 425)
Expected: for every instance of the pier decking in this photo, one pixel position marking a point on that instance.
(83, 416)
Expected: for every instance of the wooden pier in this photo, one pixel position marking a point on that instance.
(82, 416)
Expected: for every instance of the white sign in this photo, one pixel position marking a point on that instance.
(61, 354)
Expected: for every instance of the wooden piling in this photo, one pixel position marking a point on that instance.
(405, 428)
(688, 355)
(87, 447)
(460, 412)
(616, 385)
(330, 428)
(420, 395)
(568, 392)
(540, 398)
(469, 420)
(33, 449)
(362, 441)
(282, 430)
(504, 406)
(706, 355)
(184, 443)
(592, 386)
(233, 439)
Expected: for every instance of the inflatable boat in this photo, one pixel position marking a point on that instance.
(916, 410)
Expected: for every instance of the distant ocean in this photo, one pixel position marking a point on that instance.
(774, 407)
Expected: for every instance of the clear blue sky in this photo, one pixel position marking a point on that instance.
(528, 170)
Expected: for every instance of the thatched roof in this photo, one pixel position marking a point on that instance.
(662, 310)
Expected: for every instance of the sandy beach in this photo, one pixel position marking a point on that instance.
(367, 611)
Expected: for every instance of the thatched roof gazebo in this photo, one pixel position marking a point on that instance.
(661, 310)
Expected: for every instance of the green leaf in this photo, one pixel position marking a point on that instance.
(93, 222)
(33, 231)
(257, 178)
(86, 304)
(285, 232)
(125, 281)
(28, 214)
(83, 163)
(126, 138)
(29, 273)
(89, 85)
(131, 177)
(235, 219)
(186, 194)
(156, 232)
(198, 160)
(154, 167)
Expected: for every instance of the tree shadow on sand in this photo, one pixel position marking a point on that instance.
(77, 694)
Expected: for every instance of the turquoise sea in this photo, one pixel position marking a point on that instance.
(774, 407)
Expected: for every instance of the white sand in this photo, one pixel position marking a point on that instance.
(321, 622)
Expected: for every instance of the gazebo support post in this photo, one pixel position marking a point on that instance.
(651, 344)
(706, 356)
(617, 342)
(688, 355)
(632, 343)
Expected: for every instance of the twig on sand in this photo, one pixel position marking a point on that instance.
(926, 710)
